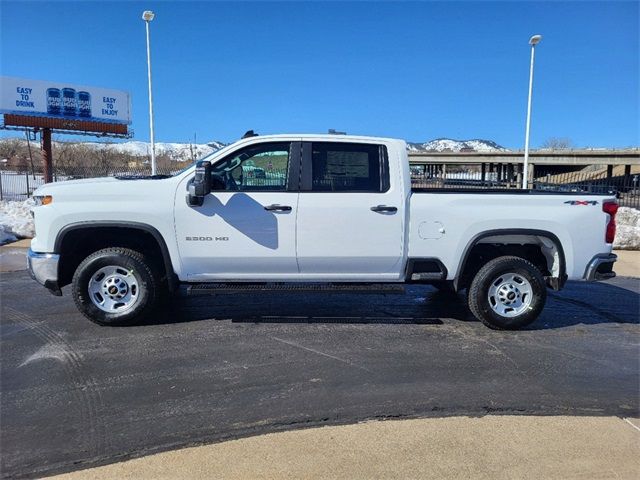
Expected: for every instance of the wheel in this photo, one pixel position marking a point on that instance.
(507, 293)
(115, 286)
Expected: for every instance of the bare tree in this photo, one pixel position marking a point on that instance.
(64, 156)
(557, 143)
(11, 147)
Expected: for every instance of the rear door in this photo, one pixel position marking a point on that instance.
(246, 227)
(350, 215)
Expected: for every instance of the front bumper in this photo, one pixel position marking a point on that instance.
(601, 267)
(43, 268)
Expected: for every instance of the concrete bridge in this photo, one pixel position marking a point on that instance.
(537, 157)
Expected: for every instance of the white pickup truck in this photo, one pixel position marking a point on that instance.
(312, 213)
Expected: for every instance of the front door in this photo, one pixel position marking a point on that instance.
(246, 227)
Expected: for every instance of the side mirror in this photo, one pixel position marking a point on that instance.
(201, 185)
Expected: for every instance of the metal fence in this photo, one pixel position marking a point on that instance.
(20, 185)
(592, 179)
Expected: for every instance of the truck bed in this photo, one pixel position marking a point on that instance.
(443, 221)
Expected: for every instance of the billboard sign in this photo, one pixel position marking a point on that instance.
(56, 100)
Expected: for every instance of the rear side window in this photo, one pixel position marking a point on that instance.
(348, 167)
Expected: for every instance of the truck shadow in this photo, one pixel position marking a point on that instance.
(245, 215)
(319, 308)
(579, 304)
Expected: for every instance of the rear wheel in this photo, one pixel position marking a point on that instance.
(115, 286)
(507, 293)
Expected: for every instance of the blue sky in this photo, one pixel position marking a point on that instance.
(413, 70)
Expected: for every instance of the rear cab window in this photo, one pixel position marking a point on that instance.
(345, 167)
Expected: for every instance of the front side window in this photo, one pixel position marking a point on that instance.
(262, 167)
(346, 167)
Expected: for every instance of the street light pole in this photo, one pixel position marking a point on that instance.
(147, 16)
(533, 41)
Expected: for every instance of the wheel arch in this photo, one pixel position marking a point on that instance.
(554, 281)
(84, 228)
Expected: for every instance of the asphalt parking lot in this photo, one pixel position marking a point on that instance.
(213, 368)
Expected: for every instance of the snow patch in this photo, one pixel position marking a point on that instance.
(15, 220)
(627, 229)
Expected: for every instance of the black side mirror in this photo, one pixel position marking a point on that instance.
(201, 185)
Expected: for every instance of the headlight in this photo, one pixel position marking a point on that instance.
(42, 200)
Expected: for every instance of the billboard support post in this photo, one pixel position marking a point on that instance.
(33, 170)
(47, 154)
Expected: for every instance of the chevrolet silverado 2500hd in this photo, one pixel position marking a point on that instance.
(312, 212)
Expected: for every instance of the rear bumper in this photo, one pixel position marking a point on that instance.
(43, 268)
(600, 267)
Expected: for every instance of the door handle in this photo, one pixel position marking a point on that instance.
(384, 209)
(278, 208)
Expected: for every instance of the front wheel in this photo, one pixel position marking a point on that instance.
(508, 293)
(115, 286)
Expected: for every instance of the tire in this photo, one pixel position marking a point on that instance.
(507, 293)
(122, 279)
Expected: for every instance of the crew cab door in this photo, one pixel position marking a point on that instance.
(350, 215)
(246, 227)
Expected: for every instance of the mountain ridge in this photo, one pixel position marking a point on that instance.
(184, 150)
(444, 144)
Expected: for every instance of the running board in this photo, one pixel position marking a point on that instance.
(427, 276)
(230, 288)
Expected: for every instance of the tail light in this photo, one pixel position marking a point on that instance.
(611, 208)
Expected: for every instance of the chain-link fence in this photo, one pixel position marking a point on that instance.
(19, 184)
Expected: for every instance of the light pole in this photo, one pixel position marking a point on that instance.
(533, 41)
(147, 16)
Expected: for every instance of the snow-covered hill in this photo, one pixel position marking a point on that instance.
(450, 145)
(176, 151)
(182, 150)
(185, 151)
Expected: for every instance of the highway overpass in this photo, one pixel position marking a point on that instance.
(507, 166)
(536, 157)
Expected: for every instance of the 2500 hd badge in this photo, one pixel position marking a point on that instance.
(206, 239)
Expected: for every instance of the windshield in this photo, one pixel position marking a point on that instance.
(206, 157)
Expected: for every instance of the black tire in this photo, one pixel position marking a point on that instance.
(134, 263)
(482, 307)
